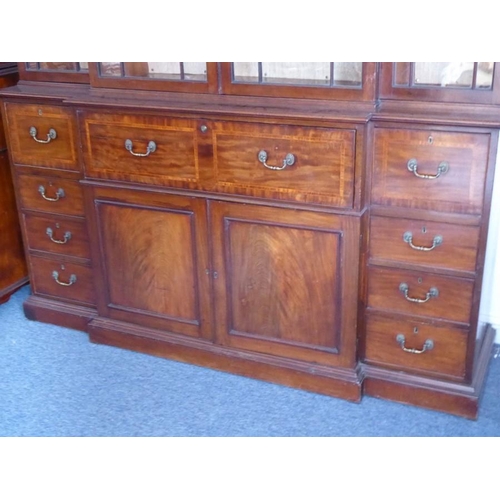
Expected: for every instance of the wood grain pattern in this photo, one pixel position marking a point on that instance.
(30, 198)
(323, 170)
(447, 357)
(36, 234)
(82, 291)
(281, 287)
(454, 302)
(160, 276)
(457, 252)
(60, 152)
(459, 190)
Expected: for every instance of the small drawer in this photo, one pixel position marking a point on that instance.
(420, 294)
(430, 170)
(138, 148)
(42, 136)
(57, 235)
(286, 162)
(50, 194)
(67, 281)
(432, 244)
(398, 344)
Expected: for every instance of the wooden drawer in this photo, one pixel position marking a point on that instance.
(408, 241)
(453, 300)
(44, 282)
(64, 196)
(57, 235)
(178, 146)
(459, 189)
(445, 346)
(322, 169)
(60, 152)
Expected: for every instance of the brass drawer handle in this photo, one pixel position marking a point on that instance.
(428, 345)
(59, 194)
(408, 238)
(129, 145)
(443, 167)
(433, 292)
(50, 233)
(288, 161)
(72, 279)
(50, 136)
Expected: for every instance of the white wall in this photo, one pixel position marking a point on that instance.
(490, 304)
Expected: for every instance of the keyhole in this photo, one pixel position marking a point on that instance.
(424, 230)
(57, 225)
(420, 280)
(40, 112)
(415, 330)
(62, 268)
(430, 140)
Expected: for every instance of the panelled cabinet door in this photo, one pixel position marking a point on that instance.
(153, 255)
(285, 282)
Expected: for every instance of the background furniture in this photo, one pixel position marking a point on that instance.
(276, 220)
(13, 271)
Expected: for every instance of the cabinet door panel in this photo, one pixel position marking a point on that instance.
(285, 282)
(153, 251)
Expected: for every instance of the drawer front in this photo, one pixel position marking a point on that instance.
(50, 194)
(431, 244)
(58, 150)
(390, 341)
(163, 151)
(459, 161)
(321, 170)
(57, 235)
(76, 281)
(445, 297)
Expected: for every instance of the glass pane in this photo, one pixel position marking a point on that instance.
(181, 71)
(347, 73)
(59, 66)
(484, 77)
(457, 74)
(84, 66)
(296, 73)
(32, 66)
(246, 72)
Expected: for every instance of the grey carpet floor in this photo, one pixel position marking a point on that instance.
(54, 382)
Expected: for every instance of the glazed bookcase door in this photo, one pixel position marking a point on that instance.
(199, 77)
(66, 72)
(461, 82)
(317, 80)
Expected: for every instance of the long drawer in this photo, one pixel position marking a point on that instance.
(429, 169)
(285, 162)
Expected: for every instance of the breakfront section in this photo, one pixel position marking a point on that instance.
(319, 225)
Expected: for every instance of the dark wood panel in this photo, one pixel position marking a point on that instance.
(447, 355)
(453, 302)
(60, 152)
(458, 190)
(457, 250)
(285, 282)
(323, 168)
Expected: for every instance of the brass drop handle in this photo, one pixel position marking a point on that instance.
(408, 238)
(50, 233)
(443, 167)
(433, 292)
(72, 279)
(428, 345)
(59, 194)
(50, 136)
(129, 145)
(288, 161)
